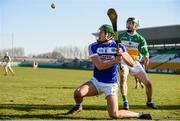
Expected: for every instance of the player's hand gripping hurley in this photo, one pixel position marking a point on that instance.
(113, 18)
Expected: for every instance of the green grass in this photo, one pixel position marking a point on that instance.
(48, 93)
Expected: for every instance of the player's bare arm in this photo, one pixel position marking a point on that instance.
(101, 65)
(126, 57)
(146, 60)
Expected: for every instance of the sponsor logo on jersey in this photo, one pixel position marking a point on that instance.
(107, 57)
(106, 50)
(107, 53)
(130, 44)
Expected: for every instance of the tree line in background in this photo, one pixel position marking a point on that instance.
(58, 53)
(15, 52)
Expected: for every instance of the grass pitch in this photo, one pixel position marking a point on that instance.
(46, 94)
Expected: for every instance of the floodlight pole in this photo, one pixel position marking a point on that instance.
(12, 37)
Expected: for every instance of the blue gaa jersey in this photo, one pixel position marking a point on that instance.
(106, 52)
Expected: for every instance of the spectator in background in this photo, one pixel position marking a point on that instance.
(7, 64)
(35, 64)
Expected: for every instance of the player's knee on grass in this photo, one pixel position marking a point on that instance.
(115, 115)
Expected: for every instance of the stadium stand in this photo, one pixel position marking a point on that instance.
(164, 47)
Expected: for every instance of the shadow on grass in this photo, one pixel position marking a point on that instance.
(160, 107)
(50, 87)
(31, 107)
(48, 116)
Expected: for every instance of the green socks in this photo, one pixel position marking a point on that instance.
(125, 98)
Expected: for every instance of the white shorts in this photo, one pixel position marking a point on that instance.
(135, 69)
(106, 88)
(7, 64)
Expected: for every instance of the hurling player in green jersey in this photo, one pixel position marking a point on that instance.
(136, 45)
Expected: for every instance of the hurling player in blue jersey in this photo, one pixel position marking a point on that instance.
(105, 58)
